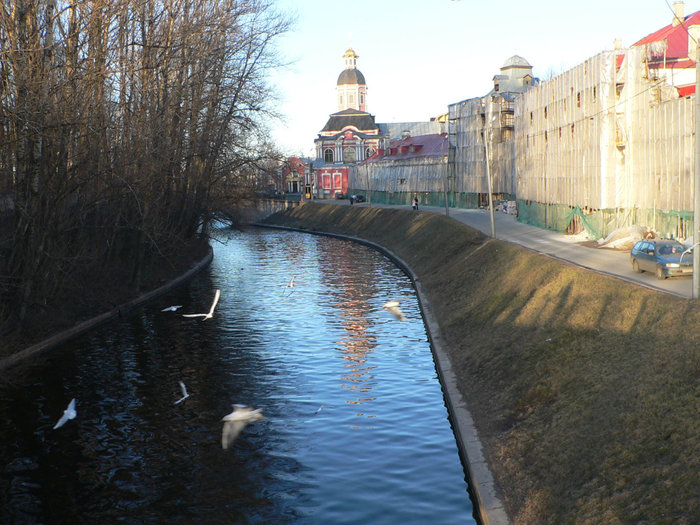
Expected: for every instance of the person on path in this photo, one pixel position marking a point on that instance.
(415, 203)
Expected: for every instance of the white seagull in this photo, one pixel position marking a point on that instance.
(211, 310)
(185, 395)
(236, 421)
(289, 285)
(68, 413)
(171, 308)
(393, 308)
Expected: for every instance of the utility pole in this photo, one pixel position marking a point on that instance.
(696, 179)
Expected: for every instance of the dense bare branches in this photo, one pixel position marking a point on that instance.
(118, 118)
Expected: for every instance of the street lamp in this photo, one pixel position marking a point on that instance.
(444, 173)
(487, 138)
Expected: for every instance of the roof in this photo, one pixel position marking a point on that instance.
(350, 117)
(515, 61)
(668, 47)
(394, 130)
(434, 145)
(351, 76)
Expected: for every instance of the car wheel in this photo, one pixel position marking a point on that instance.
(660, 275)
(635, 266)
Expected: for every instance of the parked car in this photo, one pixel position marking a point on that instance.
(666, 258)
(358, 198)
(339, 195)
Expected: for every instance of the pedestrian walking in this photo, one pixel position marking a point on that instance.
(415, 203)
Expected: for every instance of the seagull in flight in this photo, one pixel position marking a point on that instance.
(211, 310)
(171, 308)
(185, 395)
(393, 308)
(236, 421)
(68, 413)
(290, 285)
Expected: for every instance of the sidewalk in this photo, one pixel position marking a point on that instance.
(561, 246)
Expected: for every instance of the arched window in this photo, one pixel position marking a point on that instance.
(349, 155)
(369, 152)
(328, 156)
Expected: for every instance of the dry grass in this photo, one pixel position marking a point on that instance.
(585, 389)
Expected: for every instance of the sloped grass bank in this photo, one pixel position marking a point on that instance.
(585, 389)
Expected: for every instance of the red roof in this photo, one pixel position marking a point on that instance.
(671, 49)
(686, 91)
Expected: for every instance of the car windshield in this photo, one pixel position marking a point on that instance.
(670, 249)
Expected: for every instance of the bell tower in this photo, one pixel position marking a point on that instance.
(351, 87)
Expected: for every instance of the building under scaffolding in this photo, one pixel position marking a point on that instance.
(604, 145)
(410, 166)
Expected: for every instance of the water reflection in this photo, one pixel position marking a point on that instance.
(354, 431)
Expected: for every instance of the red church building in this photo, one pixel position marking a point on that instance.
(350, 136)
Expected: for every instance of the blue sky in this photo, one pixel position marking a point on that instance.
(418, 56)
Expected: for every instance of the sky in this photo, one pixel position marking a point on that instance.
(419, 56)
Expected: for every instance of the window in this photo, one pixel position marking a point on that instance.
(369, 152)
(340, 100)
(349, 155)
(351, 99)
(545, 112)
(578, 99)
(362, 98)
(328, 156)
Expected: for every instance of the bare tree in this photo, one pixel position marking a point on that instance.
(119, 121)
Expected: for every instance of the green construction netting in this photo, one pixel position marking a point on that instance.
(559, 217)
(600, 223)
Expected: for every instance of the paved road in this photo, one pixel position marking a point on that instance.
(569, 248)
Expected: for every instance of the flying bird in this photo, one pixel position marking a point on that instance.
(211, 310)
(289, 285)
(236, 421)
(185, 395)
(68, 413)
(171, 308)
(393, 308)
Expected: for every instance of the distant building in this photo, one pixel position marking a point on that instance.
(297, 176)
(490, 118)
(670, 51)
(350, 135)
(609, 143)
(516, 76)
(410, 166)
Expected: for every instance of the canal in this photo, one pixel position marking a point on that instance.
(355, 428)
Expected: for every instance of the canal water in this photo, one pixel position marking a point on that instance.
(355, 429)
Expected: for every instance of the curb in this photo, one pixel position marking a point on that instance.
(489, 509)
(112, 314)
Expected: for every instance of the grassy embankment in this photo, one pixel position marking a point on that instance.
(585, 389)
